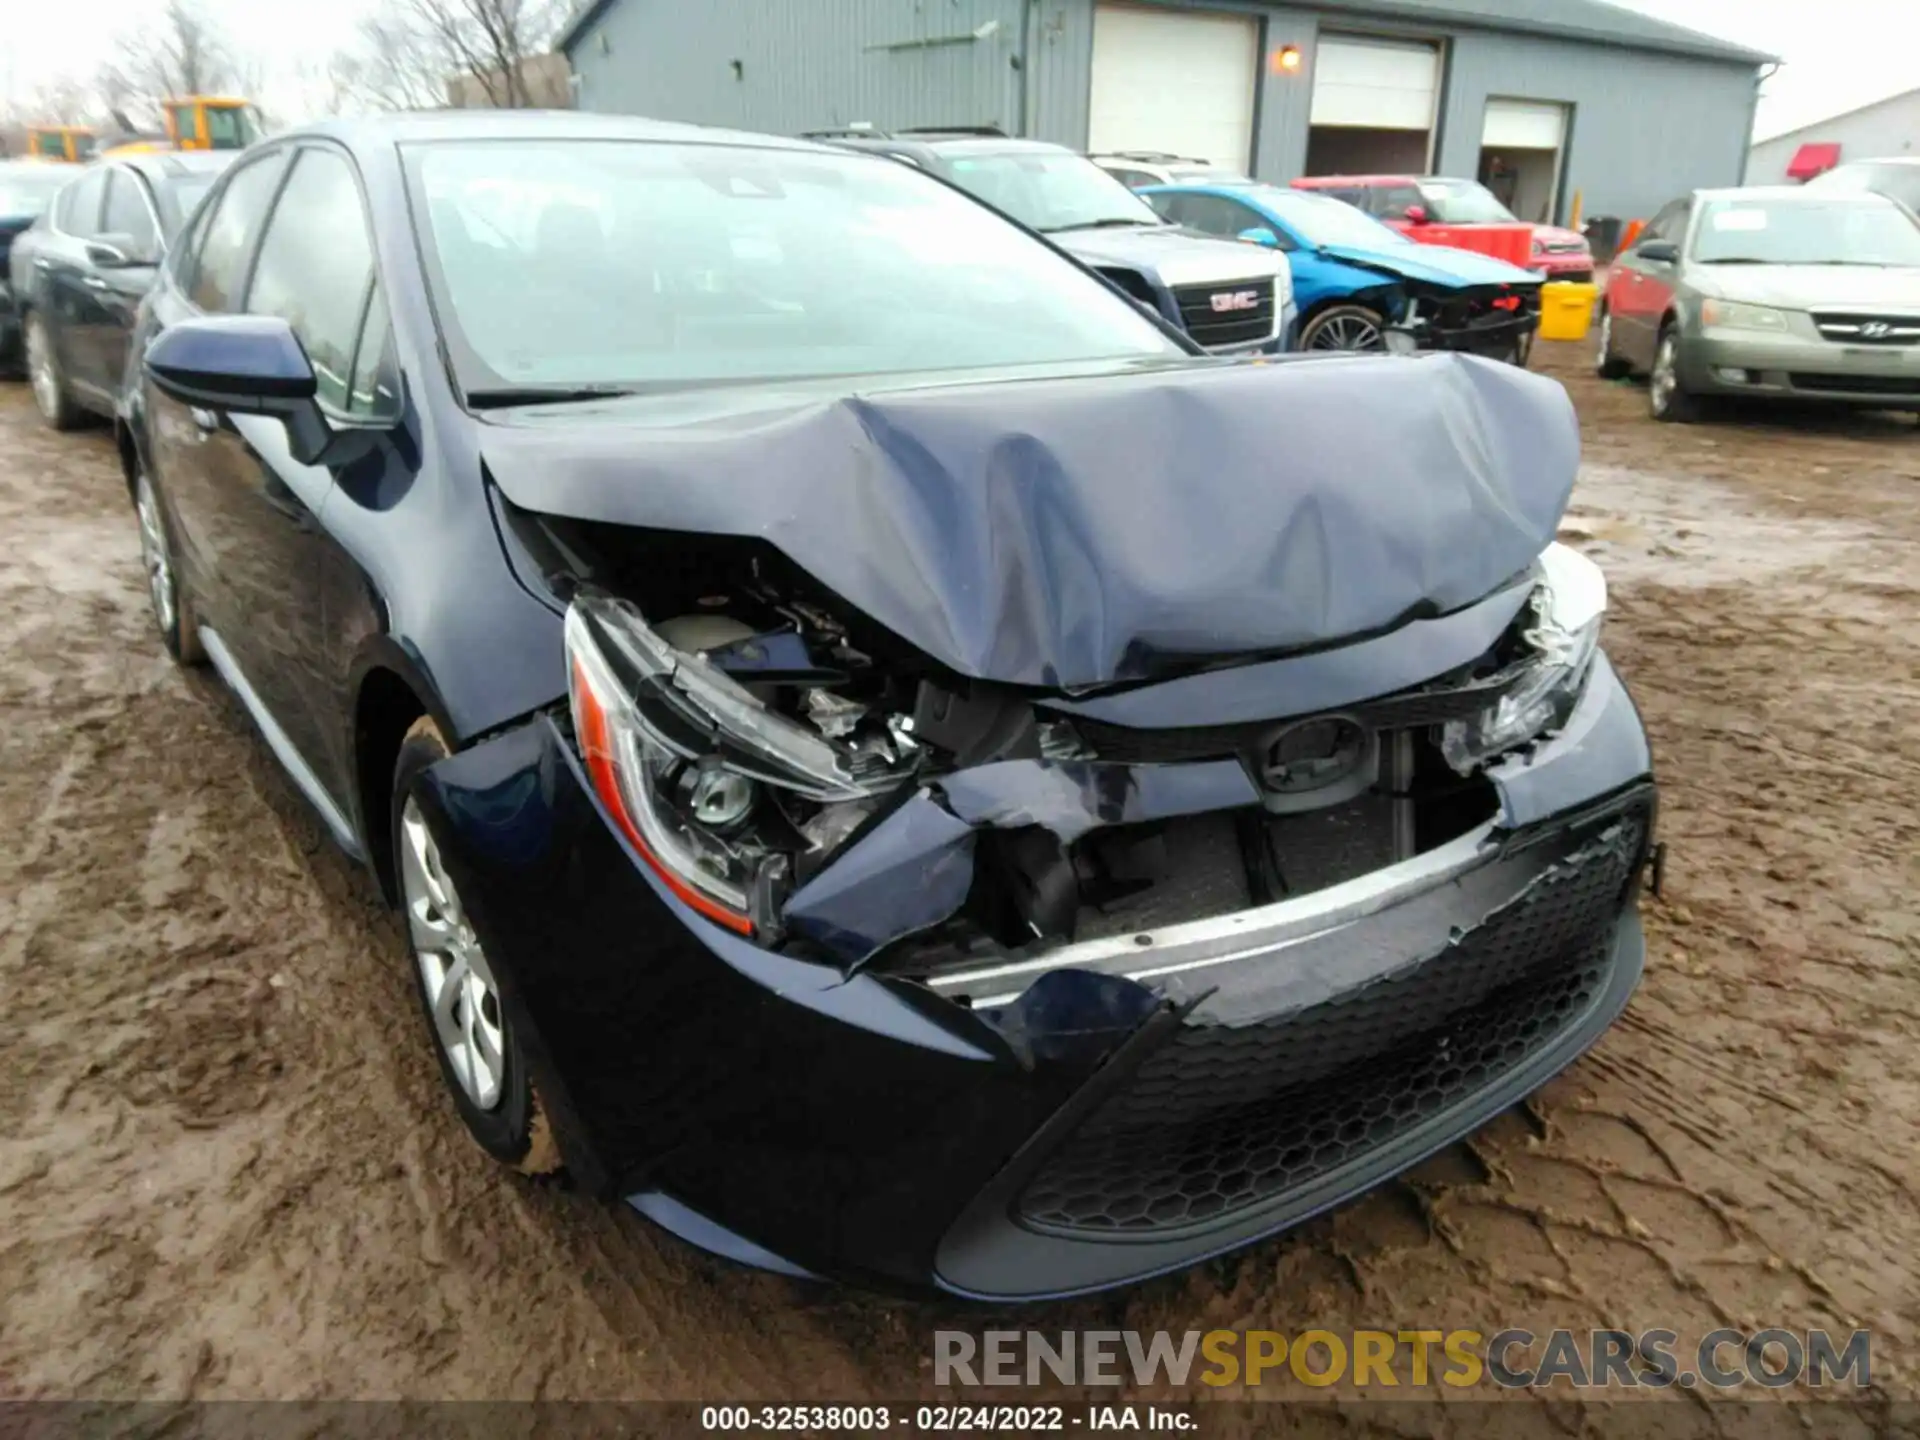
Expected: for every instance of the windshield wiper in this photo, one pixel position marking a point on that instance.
(1106, 224)
(506, 396)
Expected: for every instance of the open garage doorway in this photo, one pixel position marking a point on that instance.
(1373, 107)
(1522, 155)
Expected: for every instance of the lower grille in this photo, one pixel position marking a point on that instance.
(1850, 329)
(1905, 387)
(1211, 313)
(1227, 1117)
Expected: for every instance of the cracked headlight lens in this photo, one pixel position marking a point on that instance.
(1569, 605)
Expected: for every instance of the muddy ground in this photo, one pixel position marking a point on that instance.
(227, 1170)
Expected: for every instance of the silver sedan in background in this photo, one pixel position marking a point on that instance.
(1774, 292)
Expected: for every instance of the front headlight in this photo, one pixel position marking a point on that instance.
(1735, 315)
(1568, 604)
(706, 781)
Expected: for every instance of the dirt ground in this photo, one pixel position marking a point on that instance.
(227, 1170)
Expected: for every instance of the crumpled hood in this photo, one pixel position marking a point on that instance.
(1178, 256)
(1435, 264)
(1069, 533)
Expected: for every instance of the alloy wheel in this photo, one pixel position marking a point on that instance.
(1662, 383)
(461, 994)
(1347, 332)
(153, 554)
(46, 385)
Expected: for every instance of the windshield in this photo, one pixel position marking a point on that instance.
(1050, 190)
(27, 190)
(629, 265)
(1320, 221)
(1463, 202)
(1867, 230)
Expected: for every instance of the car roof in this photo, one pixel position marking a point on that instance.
(1880, 160)
(1788, 194)
(174, 164)
(424, 126)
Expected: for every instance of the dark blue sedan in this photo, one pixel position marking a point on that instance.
(893, 762)
(1356, 280)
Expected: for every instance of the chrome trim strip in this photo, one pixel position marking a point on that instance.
(1226, 939)
(283, 748)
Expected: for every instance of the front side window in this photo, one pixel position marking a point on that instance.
(1393, 201)
(1049, 190)
(80, 206)
(642, 265)
(376, 388)
(1871, 230)
(316, 266)
(228, 234)
(129, 214)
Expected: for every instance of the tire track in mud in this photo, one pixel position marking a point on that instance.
(229, 1171)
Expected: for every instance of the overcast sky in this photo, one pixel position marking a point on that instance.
(1839, 53)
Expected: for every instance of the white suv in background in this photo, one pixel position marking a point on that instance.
(1135, 168)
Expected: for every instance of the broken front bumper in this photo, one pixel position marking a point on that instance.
(1122, 1108)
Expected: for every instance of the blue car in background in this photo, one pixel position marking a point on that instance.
(1355, 281)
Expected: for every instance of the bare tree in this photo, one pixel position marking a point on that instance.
(406, 55)
(178, 52)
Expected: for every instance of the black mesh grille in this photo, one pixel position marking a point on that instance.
(1230, 1116)
(1903, 386)
(1209, 324)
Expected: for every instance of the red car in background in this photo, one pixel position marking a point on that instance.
(1439, 211)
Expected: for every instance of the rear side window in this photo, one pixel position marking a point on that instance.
(130, 214)
(227, 235)
(316, 267)
(1391, 201)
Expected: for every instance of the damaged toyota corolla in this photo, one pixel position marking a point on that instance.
(892, 762)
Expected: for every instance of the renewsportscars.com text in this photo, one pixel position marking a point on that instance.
(1509, 1359)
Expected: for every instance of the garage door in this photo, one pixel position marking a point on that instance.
(1174, 81)
(1524, 125)
(1374, 84)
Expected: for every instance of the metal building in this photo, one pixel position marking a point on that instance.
(1884, 130)
(1542, 99)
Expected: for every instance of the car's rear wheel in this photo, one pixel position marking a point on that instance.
(172, 606)
(1668, 398)
(1352, 328)
(49, 383)
(479, 1053)
(1606, 364)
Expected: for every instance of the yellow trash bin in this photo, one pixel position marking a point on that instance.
(1566, 310)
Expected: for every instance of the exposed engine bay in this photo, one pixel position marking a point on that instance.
(747, 730)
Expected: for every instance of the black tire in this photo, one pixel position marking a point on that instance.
(1338, 322)
(1668, 399)
(172, 604)
(513, 1129)
(1606, 364)
(55, 402)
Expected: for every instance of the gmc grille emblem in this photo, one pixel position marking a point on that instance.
(1228, 301)
(1873, 330)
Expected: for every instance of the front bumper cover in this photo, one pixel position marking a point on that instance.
(870, 1127)
(1797, 367)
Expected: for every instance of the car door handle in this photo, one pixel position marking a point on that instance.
(94, 282)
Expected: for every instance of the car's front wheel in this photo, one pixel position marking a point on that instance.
(480, 1056)
(1667, 395)
(1606, 364)
(172, 606)
(1352, 328)
(48, 381)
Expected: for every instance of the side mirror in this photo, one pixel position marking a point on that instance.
(1417, 215)
(247, 365)
(1259, 235)
(1658, 252)
(116, 252)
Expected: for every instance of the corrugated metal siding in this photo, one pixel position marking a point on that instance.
(802, 63)
(1876, 132)
(1646, 128)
